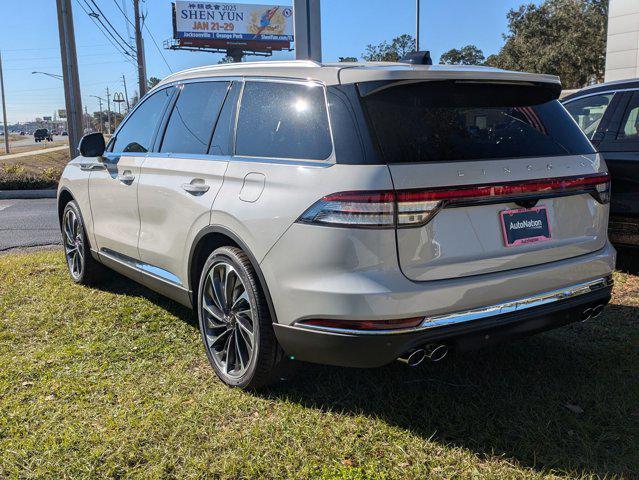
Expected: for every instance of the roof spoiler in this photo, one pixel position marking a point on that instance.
(417, 58)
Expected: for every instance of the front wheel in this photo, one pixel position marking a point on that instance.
(235, 322)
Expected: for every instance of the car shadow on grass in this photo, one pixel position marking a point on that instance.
(566, 400)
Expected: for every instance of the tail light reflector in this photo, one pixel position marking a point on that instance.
(408, 208)
(365, 324)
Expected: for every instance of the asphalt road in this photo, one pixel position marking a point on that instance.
(28, 223)
(30, 141)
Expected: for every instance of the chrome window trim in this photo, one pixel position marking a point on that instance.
(480, 313)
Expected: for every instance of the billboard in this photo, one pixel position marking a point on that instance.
(214, 22)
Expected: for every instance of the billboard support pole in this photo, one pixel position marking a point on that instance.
(308, 30)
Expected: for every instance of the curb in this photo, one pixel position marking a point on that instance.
(27, 194)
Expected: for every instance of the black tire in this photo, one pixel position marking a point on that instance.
(265, 357)
(77, 250)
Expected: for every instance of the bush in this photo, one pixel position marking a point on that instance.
(15, 177)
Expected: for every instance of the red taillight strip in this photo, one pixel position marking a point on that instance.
(510, 189)
(365, 324)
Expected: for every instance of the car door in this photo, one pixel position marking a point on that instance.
(179, 183)
(620, 149)
(113, 189)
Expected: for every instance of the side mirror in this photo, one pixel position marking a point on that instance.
(92, 145)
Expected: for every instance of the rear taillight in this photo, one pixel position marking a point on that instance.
(410, 208)
(353, 209)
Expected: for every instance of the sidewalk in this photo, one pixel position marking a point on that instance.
(32, 152)
(28, 194)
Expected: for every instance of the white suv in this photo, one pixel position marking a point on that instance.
(348, 214)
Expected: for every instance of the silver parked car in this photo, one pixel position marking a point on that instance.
(347, 214)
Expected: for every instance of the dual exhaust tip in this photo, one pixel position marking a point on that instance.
(590, 313)
(434, 353)
(437, 352)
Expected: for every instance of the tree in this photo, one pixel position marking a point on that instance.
(468, 55)
(393, 52)
(347, 59)
(152, 82)
(561, 37)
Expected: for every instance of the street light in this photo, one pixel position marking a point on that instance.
(59, 77)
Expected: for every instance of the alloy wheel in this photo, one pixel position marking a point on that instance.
(229, 320)
(73, 243)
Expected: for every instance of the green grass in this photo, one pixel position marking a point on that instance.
(113, 382)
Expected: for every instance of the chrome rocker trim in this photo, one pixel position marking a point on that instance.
(480, 313)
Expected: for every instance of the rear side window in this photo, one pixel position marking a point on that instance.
(137, 132)
(193, 118)
(629, 130)
(283, 120)
(447, 121)
(589, 111)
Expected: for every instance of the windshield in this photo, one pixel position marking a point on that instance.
(446, 121)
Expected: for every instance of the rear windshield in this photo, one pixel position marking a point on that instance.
(446, 121)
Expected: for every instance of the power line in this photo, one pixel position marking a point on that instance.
(122, 43)
(116, 46)
(158, 47)
(126, 17)
(49, 48)
(111, 25)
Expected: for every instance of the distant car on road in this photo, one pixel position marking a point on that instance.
(609, 115)
(42, 134)
(64, 134)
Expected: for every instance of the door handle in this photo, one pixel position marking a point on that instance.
(195, 188)
(126, 177)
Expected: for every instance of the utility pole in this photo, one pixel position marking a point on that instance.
(108, 95)
(308, 30)
(417, 27)
(4, 111)
(70, 72)
(139, 46)
(100, 104)
(126, 94)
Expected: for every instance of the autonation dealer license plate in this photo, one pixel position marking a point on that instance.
(525, 225)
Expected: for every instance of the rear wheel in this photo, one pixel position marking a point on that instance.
(235, 322)
(82, 266)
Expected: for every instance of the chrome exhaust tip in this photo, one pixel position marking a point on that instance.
(436, 353)
(414, 357)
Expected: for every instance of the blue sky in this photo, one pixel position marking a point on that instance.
(29, 41)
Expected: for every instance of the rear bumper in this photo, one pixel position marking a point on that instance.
(468, 330)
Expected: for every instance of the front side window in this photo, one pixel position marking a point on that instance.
(193, 118)
(283, 120)
(137, 132)
(630, 124)
(589, 111)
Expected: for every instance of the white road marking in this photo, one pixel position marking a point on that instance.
(4, 205)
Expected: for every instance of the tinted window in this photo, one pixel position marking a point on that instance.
(192, 120)
(449, 121)
(283, 120)
(589, 111)
(136, 134)
(223, 137)
(630, 124)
